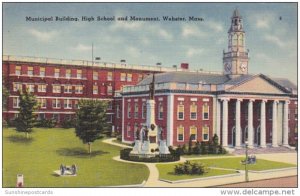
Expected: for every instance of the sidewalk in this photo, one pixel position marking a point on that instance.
(153, 179)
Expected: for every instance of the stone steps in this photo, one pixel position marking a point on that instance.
(266, 150)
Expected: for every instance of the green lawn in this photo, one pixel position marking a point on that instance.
(38, 157)
(235, 163)
(166, 171)
(206, 155)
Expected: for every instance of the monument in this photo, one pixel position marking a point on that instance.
(148, 139)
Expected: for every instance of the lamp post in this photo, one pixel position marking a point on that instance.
(246, 162)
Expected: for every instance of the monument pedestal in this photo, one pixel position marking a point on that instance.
(163, 148)
(136, 148)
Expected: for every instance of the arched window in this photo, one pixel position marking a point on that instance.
(160, 110)
(193, 133)
(241, 40)
(234, 39)
(180, 133)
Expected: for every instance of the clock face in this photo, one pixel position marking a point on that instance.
(227, 67)
(243, 67)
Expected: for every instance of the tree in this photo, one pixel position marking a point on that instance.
(91, 121)
(26, 118)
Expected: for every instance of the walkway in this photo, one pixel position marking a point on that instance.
(153, 179)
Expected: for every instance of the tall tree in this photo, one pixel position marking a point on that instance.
(91, 121)
(26, 118)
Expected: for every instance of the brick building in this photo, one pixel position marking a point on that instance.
(235, 105)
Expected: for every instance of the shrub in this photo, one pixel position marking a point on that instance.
(68, 123)
(179, 150)
(47, 123)
(119, 137)
(197, 148)
(4, 123)
(189, 168)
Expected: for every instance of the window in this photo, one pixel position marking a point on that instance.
(109, 76)
(68, 73)
(241, 40)
(160, 110)
(30, 87)
(193, 111)
(181, 85)
(123, 77)
(109, 90)
(270, 116)
(17, 86)
(30, 71)
(18, 70)
(95, 89)
(180, 133)
(42, 88)
(56, 73)
(129, 110)
(118, 111)
(140, 77)
(41, 116)
(55, 103)
(42, 102)
(205, 133)
(129, 77)
(296, 113)
(67, 104)
(109, 107)
(42, 71)
(68, 88)
(193, 86)
(95, 75)
(79, 89)
(128, 129)
(205, 112)
(144, 110)
(55, 117)
(16, 115)
(76, 105)
(135, 129)
(109, 118)
(79, 74)
(16, 102)
(180, 112)
(234, 40)
(193, 133)
(56, 88)
(136, 110)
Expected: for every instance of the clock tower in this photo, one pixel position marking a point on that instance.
(235, 60)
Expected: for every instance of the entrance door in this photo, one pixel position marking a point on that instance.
(258, 136)
(233, 136)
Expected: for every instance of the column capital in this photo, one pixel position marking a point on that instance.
(251, 100)
(287, 101)
(276, 101)
(239, 99)
(264, 100)
(225, 99)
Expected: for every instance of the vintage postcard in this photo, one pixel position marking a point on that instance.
(162, 95)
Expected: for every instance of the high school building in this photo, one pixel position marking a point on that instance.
(235, 105)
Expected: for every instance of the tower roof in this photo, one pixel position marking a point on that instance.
(236, 14)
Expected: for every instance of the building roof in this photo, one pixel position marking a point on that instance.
(187, 77)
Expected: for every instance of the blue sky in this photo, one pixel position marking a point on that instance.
(272, 42)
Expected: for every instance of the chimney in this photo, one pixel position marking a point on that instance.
(184, 66)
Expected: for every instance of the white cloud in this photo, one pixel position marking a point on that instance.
(43, 36)
(165, 34)
(193, 51)
(275, 40)
(133, 52)
(82, 48)
(192, 31)
(215, 26)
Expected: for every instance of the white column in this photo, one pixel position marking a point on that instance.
(225, 123)
(250, 123)
(274, 124)
(286, 124)
(238, 123)
(170, 120)
(218, 120)
(263, 123)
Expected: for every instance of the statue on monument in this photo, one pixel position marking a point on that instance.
(152, 88)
